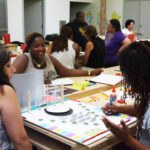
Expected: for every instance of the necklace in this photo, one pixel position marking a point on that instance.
(38, 65)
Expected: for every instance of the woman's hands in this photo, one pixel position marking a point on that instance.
(110, 109)
(122, 131)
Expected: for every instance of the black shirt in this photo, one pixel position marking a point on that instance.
(77, 35)
(96, 58)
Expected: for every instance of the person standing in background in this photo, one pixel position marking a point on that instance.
(77, 26)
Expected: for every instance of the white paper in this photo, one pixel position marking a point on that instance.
(107, 79)
(66, 81)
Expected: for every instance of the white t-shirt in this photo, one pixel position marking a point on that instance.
(67, 57)
(126, 32)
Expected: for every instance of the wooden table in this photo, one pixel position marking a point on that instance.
(47, 140)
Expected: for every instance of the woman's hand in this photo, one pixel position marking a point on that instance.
(121, 131)
(96, 71)
(110, 109)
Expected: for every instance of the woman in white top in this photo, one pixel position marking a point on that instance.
(129, 25)
(64, 49)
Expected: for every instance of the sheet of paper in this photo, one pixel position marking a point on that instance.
(33, 82)
(65, 81)
(107, 79)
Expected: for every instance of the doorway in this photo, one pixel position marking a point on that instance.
(33, 11)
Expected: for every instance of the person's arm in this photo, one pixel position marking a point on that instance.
(123, 133)
(65, 72)
(88, 49)
(77, 49)
(125, 109)
(49, 50)
(20, 63)
(11, 116)
(125, 43)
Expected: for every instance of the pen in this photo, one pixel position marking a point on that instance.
(90, 81)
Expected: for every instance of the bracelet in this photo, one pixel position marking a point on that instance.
(89, 72)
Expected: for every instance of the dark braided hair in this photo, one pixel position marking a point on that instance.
(5, 56)
(135, 67)
(30, 39)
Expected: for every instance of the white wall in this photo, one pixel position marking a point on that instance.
(117, 6)
(55, 10)
(15, 11)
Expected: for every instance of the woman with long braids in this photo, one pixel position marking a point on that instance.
(11, 124)
(38, 59)
(135, 67)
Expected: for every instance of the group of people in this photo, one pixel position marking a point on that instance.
(78, 36)
(134, 64)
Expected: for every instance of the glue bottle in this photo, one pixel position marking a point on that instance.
(112, 96)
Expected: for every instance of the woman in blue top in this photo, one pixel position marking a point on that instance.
(135, 67)
(115, 42)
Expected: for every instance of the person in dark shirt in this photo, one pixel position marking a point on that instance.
(95, 48)
(77, 26)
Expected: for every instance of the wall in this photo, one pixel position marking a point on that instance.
(15, 11)
(55, 10)
(114, 10)
(33, 16)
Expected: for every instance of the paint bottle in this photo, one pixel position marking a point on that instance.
(113, 96)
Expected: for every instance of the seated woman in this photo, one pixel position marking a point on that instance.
(11, 125)
(115, 42)
(63, 47)
(95, 48)
(134, 65)
(38, 59)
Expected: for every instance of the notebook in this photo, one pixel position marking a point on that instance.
(107, 79)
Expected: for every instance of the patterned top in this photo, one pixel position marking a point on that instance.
(49, 70)
(4, 139)
(145, 131)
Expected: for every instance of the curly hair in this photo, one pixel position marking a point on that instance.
(135, 66)
(90, 31)
(30, 39)
(5, 56)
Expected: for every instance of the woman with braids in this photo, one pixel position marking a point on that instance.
(64, 49)
(135, 67)
(11, 125)
(38, 59)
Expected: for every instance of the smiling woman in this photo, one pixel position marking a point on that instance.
(35, 57)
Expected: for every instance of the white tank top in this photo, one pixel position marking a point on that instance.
(67, 57)
(49, 70)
